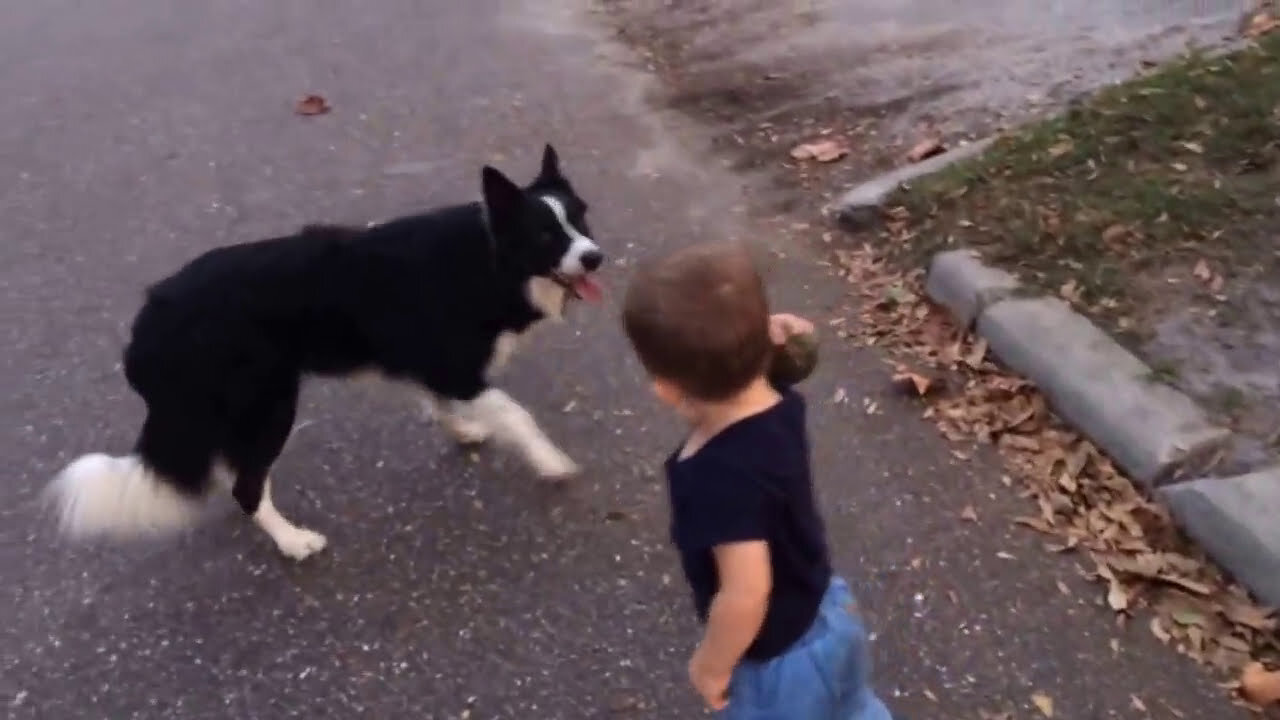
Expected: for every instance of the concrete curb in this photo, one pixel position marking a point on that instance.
(959, 281)
(1152, 432)
(1237, 522)
(1149, 429)
(859, 208)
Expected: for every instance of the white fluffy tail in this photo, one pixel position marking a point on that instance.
(119, 498)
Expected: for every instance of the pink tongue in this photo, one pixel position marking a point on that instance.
(587, 289)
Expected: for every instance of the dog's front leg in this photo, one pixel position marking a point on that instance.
(513, 425)
(451, 415)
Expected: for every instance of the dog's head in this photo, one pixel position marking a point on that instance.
(541, 230)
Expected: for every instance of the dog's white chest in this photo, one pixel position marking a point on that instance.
(546, 296)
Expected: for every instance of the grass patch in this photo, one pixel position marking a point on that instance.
(1176, 169)
(1164, 371)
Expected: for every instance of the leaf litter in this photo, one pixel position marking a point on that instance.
(1082, 503)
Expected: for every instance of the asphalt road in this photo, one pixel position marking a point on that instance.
(136, 133)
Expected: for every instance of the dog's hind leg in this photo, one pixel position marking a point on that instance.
(255, 444)
(513, 425)
(293, 541)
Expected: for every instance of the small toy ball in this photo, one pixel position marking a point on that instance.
(795, 360)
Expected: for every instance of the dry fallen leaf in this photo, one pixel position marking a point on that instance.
(1201, 271)
(1261, 24)
(311, 105)
(976, 355)
(1115, 233)
(1062, 148)
(1260, 686)
(1250, 616)
(1043, 703)
(1158, 629)
(823, 151)
(1070, 291)
(1117, 597)
(920, 384)
(925, 149)
(1188, 618)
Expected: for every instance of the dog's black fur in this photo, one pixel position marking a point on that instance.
(219, 348)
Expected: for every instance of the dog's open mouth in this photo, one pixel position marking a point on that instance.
(583, 286)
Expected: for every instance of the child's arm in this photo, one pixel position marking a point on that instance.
(735, 616)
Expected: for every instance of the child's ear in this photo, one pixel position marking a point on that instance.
(668, 393)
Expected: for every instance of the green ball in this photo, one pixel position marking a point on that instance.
(795, 360)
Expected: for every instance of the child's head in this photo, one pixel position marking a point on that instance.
(699, 321)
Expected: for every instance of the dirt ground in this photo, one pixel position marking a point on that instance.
(1225, 352)
(881, 74)
(1151, 207)
(878, 77)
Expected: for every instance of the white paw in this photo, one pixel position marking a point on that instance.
(553, 464)
(300, 543)
(467, 432)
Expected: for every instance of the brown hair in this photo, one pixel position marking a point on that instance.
(699, 318)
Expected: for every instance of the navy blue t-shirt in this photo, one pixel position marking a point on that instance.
(752, 482)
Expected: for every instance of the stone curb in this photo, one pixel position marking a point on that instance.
(860, 207)
(960, 282)
(1237, 522)
(1150, 430)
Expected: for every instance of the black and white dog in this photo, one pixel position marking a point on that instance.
(436, 300)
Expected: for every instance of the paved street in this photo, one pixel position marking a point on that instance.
(136, 133)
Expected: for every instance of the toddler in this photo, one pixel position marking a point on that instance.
(783, 639)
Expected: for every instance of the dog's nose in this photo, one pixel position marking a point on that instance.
(592, 259)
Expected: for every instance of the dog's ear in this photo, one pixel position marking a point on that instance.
(502, 197)
(550, 164)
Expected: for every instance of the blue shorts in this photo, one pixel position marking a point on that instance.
(825, 675)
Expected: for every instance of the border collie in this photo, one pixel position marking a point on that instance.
(219, 349)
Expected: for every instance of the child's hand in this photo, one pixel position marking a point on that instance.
(784, 325)
(712, 685)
